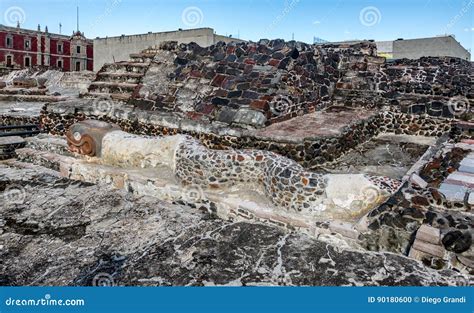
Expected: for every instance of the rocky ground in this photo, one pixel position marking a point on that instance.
(54, 231)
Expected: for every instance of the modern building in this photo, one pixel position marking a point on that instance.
(439, 46)
(20, 48)
(114, 49)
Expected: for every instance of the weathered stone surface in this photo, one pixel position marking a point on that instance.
(314, 105)
(90, 231)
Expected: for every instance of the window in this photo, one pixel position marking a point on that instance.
(27, 61)
(27, 44)
(78, 66)
(60, 63)
(9, 60)
(60, 48)
(78, 49)
(9, 42)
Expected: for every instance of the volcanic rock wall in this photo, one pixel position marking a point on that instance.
(240, 84)
(310, 151)
(446, 76)
(256, 84)
(441, 87)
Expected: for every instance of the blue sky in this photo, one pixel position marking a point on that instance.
(334, 20)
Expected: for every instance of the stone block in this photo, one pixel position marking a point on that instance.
(429, 234)
(226, 115)
(250, 117)
(345, 229)
(415, 179)
(429, 248)
(261, 105)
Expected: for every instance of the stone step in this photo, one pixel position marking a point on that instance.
(118, 79)
(127, 64)
(8, 146)
(31, 98)
(45, 159)
(23, 91)
(113, 96)
(461, 179)
(30, 166)
(120, 74)
(452, 192)
(465, 125)
(14, 141)
(114, 85)
(49, 143)
(467, 162)
(147, 55)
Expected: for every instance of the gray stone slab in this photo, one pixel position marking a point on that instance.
(462, 177)
(467, 162)
(466, 169)
(11, 140)
(453, 192)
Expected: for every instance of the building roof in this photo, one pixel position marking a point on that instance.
(36, 32)
(162, 32)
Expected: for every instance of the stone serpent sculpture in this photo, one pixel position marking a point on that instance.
(287, 184)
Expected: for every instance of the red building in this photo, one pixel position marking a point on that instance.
(20, 48)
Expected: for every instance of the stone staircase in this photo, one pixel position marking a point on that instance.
(121, 81)
(11, 138)
(8, 145)
(29, 94)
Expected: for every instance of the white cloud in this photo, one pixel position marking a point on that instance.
(469, 29)
(317, 22)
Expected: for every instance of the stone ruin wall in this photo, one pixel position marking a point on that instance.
(407, 96)
(252, 85)
(259, 84)
(239, 84)
(310, 152)
(258, 74)
(412, 97)
(395, 225)
(18, 120)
